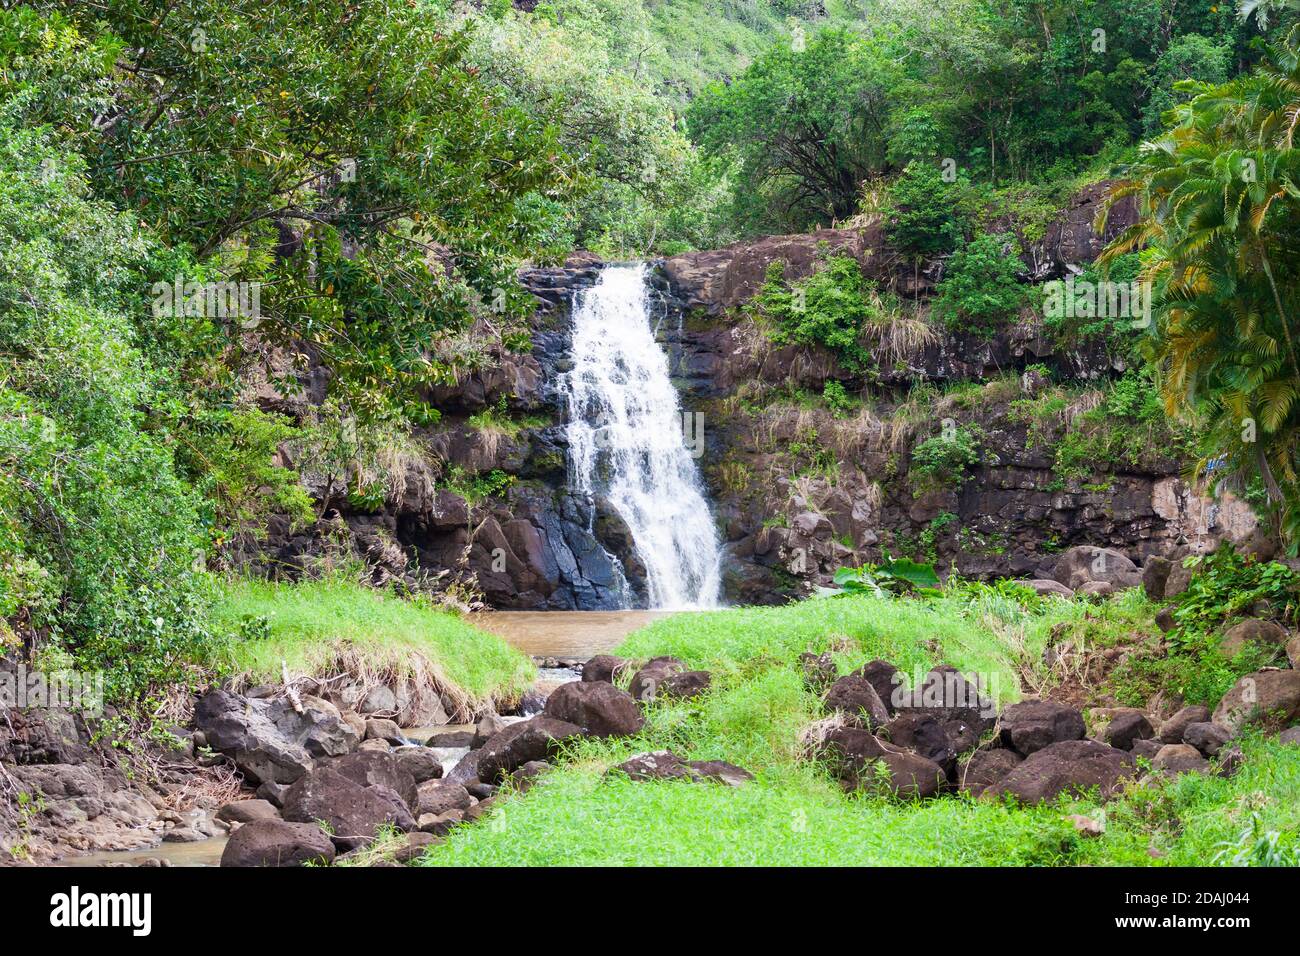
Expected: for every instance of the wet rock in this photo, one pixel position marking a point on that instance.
(1269, 698)
(604, 667)
(1075, 766)
(277, 843)
(1207, 737)
(535, 739)
(439, 796)
(858, 701)
(266, 738)
(421, 763)
(466, 770)
(246, 811)
(1252, 633)
(1031, 726)
(1127, 727)
(1174, 759)
(1171, 731)
(599, 708)
(984, 768)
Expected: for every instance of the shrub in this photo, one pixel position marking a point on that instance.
(829, 308)
(944, 458)
(980, 291)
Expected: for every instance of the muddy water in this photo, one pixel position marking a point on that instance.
(565, 634)
(199, 853)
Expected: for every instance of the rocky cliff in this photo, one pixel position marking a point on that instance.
(798, 488)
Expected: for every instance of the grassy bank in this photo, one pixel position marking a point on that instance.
(795, 814)
(323, 628)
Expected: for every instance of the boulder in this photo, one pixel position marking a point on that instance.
(1030, 726)
(884, 678)
(466, 770)
(440, 824)
(1095, 590)
(646, 681)
(1127, 727)
(598, 707)
(1155, 573)
(1045, 587)
(439, 796)
(376, 745)
(1207, 737)
(1146, 748)
(984, 768)
(1079, 565)
(1165, 620)
(1076, 766)
(417, 843)
(857, 699)
(922, 734)
(351, 811)
(266, 738)
(381, 728)
(1269, 697)
(534, 739)
(962, 735)
(420, 762)
(1177, 581)
(1174, 759)
(487, 726)
(718, 771)
(370, 769)
(945, 694)
(907, 776)
(656, 765)
(862, 761)
(1252, 633)
(1171, 731)
(1290, 736)
(527, 775)
(379, 700)
(1293, 652)
(277, 843)
(604, 667)
(246, 811)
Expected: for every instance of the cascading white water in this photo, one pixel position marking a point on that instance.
(626, 440)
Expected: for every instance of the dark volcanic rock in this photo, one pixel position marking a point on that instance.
(599, 708)
(857, 699)
(352, 811)
(1126, 728)
(1076, 766)
(1171, 731)
(946, 695)
(924, 735)
(535, 739)
(884, 678)
(1207, 737)
(277, 843)
(1032, 725)
(604, 667)
(984, 768)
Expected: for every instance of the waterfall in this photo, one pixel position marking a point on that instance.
(626, 440)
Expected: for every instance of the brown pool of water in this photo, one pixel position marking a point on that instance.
(574, 634)
(197, 853)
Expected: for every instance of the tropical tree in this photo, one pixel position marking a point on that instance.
(1220, 224)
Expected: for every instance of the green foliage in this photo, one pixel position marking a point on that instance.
(923, 216)
(476, 488)
(99, 536)
(891, 576)
(944, 459)
(1128, 427)
(1227, 583)
(829, 308)
(837, 397)
(980, 291)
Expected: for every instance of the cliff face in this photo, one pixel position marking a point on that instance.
(798, 490)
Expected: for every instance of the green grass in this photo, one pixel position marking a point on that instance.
(319, 628)
(794, 814)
